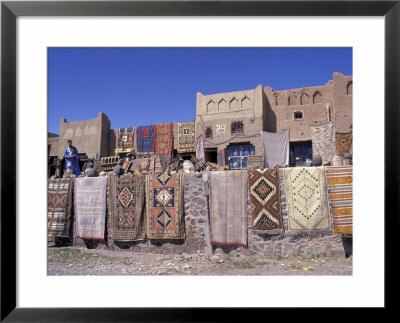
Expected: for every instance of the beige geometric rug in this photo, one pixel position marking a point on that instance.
(307, 203)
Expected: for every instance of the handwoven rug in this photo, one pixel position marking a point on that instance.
(163, 139)
(144, 164)
(307, 202)
(90, 207)
(125, 139)
(186, 137)
(165, 206)
(145, 139)
(344, 143)
(59, 206)
(200, 147)
(126, 207)
(276, 148)
(340, 190)
(265, 200)
(228, 208)
(323, 141)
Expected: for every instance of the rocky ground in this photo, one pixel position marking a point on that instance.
(82, 261)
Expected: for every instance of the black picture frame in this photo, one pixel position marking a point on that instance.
(10, 10)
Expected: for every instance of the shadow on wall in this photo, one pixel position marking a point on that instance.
(348, 246)
(271, 117)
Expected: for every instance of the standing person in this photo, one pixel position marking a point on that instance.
(71, 158)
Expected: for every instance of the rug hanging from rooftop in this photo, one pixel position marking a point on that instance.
(59, 206)
(221, 157)
(126, 207)
(323, 141)
(90, 207)
(276, 148)
(228, 208)
(165, 206)
(344, 143)
(125, 138)
(307, 202)
(186, 137)
(145, 139)
(200, 147)
(265, 200)
(340, 190)
(163, 139)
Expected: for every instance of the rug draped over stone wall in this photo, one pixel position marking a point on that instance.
(340, 189)
(276, 148)
(344, 143)
(186, 137)
(323, 141)
(90, 207)
(200, 147)
(228, 208)
(163, 139)
(265, 201)
(126, 207)
(125, 138)
(307, 202)
(165, 206)
(59, 207)
(145, 139)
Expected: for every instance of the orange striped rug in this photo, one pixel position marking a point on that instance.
(340, 189)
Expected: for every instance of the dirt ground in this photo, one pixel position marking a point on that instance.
(82, 261)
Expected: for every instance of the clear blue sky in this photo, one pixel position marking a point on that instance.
(141, 86)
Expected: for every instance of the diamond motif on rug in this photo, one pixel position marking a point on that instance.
(164, 218)
(263, 190)
(164, 197)
(164, 178)
(125, 197)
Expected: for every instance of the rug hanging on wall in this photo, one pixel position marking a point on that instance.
(228, 208)
(344, 143)
(126, 207)
(340, 190)
(90, 207)
(59, 207)
(307, 202)
(265, 201)
(276, 148)
(163, 139)
(186, 137)
(323, 141)
(125, 138)
(145, 139)
(165, 206)
(200, 147)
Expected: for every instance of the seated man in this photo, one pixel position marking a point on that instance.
(90, 171)
(118, 170)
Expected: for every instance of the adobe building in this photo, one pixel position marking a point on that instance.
(232, 121)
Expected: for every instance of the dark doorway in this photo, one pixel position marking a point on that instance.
(299, 152)
(211, 155)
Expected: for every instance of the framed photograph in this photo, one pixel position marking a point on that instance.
(196, 154)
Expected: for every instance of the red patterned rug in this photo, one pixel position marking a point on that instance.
(163, 139)
(165, 206)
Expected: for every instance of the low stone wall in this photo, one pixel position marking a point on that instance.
(196, 219)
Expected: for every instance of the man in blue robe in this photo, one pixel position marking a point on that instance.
(71, 157)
